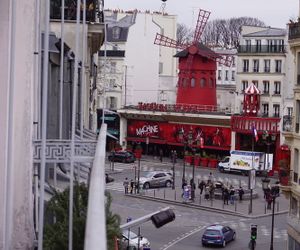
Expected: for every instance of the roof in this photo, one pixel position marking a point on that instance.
(252, 89)
(215, 227)
(202, 51)
(267, 32)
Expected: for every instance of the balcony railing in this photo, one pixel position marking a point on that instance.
(94, 12)
(262, 49)
(287, 123)
(294, 30)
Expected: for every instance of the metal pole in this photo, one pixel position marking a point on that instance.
(272, 227)
(183, 174)
(251, 190)
(135, 178)
(139, 237)
(173, 158)
(74, 97)
(139, 165)
(193, 184)
(125, 87)
(44, 125)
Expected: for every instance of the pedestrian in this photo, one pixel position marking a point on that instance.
(131, 186)
(206, 192)
(231, 195)
(210, 178)
(225, 195)
(161, 153)
(269, 200)
(241, 193)
(201, 185)
(211, 191)
(125, 185)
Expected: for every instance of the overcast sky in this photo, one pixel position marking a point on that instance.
(275, 13)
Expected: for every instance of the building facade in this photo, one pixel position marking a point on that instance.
(292, 188)
(263, 57)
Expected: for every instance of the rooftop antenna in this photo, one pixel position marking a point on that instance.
(163, 6)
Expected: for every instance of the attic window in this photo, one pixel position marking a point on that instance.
(116, 32)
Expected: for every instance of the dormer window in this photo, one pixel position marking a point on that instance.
(116, 32)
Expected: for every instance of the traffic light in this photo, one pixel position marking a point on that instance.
(163, 218)
(253, 232)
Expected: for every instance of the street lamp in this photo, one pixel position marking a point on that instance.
(174, 155)
(274, 194)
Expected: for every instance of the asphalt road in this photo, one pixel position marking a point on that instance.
(186, 231)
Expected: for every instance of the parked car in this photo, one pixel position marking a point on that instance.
(218, 235)
(156, 179)
(133, 241)
(121, 156)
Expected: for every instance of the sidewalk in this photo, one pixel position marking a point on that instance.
(239, 208)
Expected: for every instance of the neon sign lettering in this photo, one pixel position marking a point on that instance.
(146, 130)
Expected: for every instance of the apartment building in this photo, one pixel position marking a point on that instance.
(263, 58)
(292, 188)
(135, 68)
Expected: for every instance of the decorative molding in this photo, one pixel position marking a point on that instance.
(59, 151)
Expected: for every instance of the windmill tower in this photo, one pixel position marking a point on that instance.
(197, 66)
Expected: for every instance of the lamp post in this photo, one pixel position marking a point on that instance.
(193, 178)
(174, 154)
(274, 194)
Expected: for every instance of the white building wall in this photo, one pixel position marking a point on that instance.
(21, 162)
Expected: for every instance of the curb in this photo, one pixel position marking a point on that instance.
(210, 209)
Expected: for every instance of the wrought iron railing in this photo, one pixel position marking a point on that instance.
(294, 30)
(94, 10)
(262, 49)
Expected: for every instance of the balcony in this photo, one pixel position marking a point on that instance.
(294, 31)
(253, 49)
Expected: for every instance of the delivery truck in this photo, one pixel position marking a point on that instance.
(244, 161)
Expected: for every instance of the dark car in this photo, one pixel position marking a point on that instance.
(217, 235)
(121, 156)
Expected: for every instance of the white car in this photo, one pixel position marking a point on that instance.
(134, 240)
(156, 179)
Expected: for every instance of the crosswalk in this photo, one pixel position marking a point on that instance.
(234, 181)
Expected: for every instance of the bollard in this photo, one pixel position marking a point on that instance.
(277, 206)
(154, 193)
(175, 195)
(200, 200)
(164, 194)
(235, 206)
(211, 202)
(249, 209)
(223, 204)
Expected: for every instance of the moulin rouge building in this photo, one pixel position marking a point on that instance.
(195, 123)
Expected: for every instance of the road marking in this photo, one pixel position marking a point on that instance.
(180, 238)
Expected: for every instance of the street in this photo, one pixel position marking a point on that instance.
(186, 231)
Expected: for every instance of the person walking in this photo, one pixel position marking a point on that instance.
(125, 185)
(131, 186)
(206, 193)
(241, 193)
(211, 190)
(193, 187)
(225, 195)
(201, 186)
(184, 184)
(210, 178)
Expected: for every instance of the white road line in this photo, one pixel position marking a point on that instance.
(175, 241)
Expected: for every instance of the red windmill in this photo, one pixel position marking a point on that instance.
(197, 66)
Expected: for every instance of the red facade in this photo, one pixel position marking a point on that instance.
(175, 134)
(197, 82)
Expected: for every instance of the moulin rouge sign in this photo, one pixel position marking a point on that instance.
(147, 130)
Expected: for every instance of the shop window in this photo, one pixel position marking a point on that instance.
(202, 82)
(193, 82)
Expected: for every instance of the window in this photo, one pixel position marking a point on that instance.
(112, 83)
(211, 83)
(255, 65)
(294, 206)
(113, 67)
(219, 74)
(233, 61)
(277, 88)
(266, 87)
(267, 66)
(278, 66)
(297, 116)
(244, 85)
(276, 108)
(202, 83)
(226, 75)
(255, 83)
(289, 111)
(258, 45)
(193, 82)
(116, 32)
(233, 76)
(265, 107)
(296, 163)
(245, 65)
(184, 82)
(248, 45)
(113, 102)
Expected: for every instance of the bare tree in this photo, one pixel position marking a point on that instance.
(184, 34)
